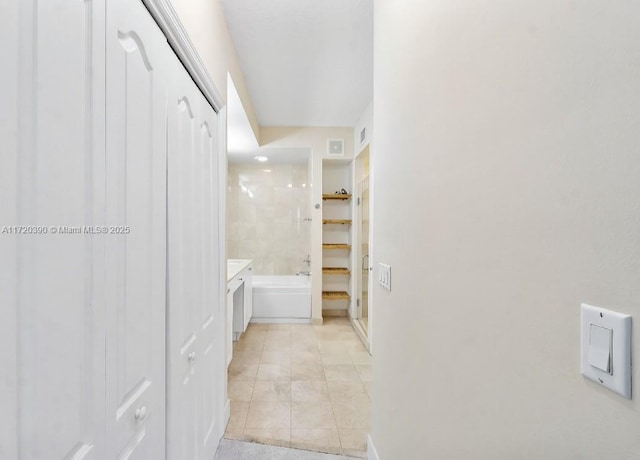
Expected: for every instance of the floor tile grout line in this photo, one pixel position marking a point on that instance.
(340, 340)
(335, 420)
(255, 379)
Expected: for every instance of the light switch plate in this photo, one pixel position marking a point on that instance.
(598, 326)
(384, 276)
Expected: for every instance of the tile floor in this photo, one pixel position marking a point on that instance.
(301, 386)
(238, 450)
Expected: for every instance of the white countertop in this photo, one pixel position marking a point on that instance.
(235, 266)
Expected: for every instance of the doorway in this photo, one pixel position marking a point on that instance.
(362, 263)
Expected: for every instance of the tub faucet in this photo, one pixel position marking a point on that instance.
(307, 260)
(303, 273)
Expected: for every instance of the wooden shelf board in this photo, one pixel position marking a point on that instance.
(336, 271)
(336, 221)
(335, 246)
(336, 295)
(335, 196)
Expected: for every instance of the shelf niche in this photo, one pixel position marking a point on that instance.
(337, 220)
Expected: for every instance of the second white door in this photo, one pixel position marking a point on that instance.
(194, 323)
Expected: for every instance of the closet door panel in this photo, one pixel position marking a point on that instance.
(9, 78)
(136, 226)
(212, 357)
(193, 273)
(182, 336)
(58, 376)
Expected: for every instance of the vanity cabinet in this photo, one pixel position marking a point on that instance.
(233, 292)
(247, 304)
(239, 301)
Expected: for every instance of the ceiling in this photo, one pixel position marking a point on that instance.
(305, 62)
(242, 146)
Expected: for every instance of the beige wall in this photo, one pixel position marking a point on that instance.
(207, 27)
(507, 184)
(266, 212)
(316, 140)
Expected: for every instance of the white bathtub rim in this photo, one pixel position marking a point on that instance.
(281, 320)
(281, 282)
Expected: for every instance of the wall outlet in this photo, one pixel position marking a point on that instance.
(384, 276)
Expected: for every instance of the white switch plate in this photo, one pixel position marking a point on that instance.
(593, 347)
(384, 276)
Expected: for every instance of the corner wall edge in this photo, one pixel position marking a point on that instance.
(372, 453)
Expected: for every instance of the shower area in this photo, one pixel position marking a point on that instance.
(269, 222)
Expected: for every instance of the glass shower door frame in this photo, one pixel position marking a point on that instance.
(363, 259)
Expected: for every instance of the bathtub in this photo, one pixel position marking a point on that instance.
(281, 299)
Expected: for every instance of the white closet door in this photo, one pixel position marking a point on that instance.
(182, 333)
(136, 98)
(51, 316)
(210, 322)
(194, 356)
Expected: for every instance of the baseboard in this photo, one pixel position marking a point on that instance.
(372, 453)
(227, 414)
(280, 320)
(334, 312)
(358, 329)
(317, 321)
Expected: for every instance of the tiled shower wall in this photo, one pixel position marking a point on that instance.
(266, 211)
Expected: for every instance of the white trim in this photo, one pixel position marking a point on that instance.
(372, 453)
(359, 330)
(167, 19)
(372, 249)
(227, 415)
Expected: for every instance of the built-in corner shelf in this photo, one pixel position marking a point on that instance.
(336, 196)
(336, 246)
(336, 295)
(336, 271)
(337, 226)
(336, 221)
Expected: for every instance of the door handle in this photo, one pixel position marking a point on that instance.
(141, 413)
(191, 356)
(365, 266)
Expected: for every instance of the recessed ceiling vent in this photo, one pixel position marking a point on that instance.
(335, 147)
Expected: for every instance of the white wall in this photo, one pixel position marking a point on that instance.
(336, 176)
(507, 171)
(316, 140)
(207, 27)
(366, 122)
